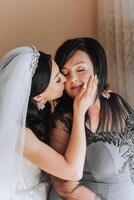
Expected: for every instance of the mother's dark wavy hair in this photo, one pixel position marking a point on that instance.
(38, 120)
(95, 52)
(115, 109)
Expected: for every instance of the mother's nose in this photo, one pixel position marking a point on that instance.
(73, 78)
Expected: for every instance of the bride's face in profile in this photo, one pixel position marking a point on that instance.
(55, 87)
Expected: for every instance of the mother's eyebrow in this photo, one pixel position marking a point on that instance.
(80, 62)
(77, 63)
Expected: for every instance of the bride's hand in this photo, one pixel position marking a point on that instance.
(86, 96)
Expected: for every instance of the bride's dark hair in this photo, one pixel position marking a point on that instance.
(38, 120)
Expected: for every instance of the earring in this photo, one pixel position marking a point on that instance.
(41, 104)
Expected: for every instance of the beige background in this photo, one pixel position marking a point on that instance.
(45, 23)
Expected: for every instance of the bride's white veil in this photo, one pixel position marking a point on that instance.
(16, 70)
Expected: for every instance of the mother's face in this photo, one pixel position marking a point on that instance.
(77, 71)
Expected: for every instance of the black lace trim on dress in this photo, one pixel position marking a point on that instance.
(124, 138)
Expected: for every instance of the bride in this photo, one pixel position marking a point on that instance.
(28, 81)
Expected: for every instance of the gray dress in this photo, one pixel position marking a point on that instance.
(109, 164)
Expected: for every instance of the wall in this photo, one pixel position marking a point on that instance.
(45, 23)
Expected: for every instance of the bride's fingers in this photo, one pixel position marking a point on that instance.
(95, 81)
(89, 85)
(91, 91)
(82, 91)
(94, 86)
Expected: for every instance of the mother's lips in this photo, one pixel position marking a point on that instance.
(75, 87)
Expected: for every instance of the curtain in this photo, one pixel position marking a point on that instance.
(116, 33)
